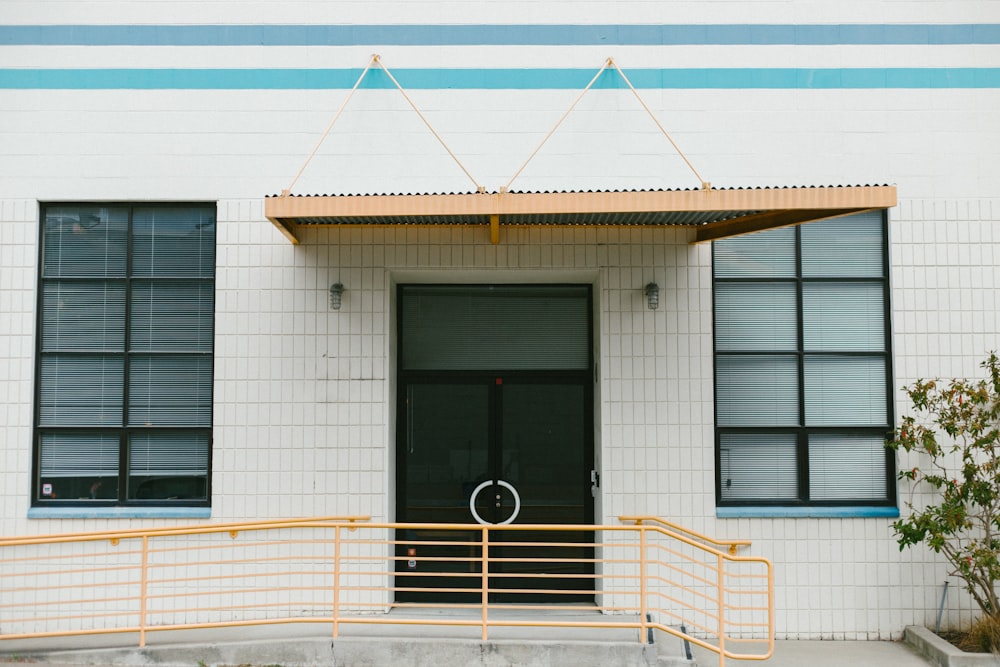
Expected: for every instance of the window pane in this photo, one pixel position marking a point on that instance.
(170, 390)
(173, 241)
(172, 316)
(81, 390)
(847, 467)
(757, 390)
(78, 465)
(87, 315)
(843, 316)
(755, 316)
(758, 466)
(168, 466)
(495, 327)
(765, 254)
(845, 391)
(844, 247)
(84, 241)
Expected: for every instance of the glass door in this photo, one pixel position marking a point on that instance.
(495, 450)
(494, 426)
(545, 454)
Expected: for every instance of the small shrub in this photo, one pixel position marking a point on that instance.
(956, 434)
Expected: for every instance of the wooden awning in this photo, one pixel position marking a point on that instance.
(712, 213)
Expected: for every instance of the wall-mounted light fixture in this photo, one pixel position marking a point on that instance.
(336, 295)
(652, 292)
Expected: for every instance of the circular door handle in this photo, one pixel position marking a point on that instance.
(506, 485)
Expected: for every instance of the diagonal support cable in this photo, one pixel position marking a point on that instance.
(364, 72)
(705, 185)
(556, 126)
(610, 63)
(378, 61)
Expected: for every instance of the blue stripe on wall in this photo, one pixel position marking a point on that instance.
(497, 79)
(444, 35)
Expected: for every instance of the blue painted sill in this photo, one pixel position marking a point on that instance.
(806, 512)
(119, 512)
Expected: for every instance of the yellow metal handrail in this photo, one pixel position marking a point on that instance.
(733, 545)
(347, 571)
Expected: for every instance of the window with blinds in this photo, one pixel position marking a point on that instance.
(490, 327)
(124, 383)
(802, 365)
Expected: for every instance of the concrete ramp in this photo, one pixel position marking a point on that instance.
(362, 645)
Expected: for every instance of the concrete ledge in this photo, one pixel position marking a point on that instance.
(943, 654)
(368, 651)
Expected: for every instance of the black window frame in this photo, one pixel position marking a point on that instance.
(801, 432)
(124, 431)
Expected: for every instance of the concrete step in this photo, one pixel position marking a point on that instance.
(363, 645)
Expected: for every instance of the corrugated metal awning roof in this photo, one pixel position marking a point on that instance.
(713, 213)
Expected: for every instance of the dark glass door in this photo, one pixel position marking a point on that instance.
(479, 449)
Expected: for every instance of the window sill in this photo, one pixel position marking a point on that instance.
(761, 512)
(119, 512)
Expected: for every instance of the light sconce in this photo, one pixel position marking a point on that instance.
(336, 295)
(652, 292)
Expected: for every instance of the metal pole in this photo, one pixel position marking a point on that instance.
(643, 614)
(944, 594)
(142, 591)
(722, 613)
(336, 582)
(485, 600)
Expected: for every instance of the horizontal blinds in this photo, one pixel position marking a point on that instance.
(85, 241)
(83, 315)
(495, 327)
(755, 316)
(78, 455)
(759, 390)
(801, 350)
(770, 254)
(848, 247)
(173, 241)
(843, 316)
(81, 390)
(170, 390)
(845, 391)
(758, 466)
(175, 315)
(847, 467)
(168, 454)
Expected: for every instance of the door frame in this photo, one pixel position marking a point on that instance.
(586, 377)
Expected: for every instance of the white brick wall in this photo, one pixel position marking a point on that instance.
(304, 412)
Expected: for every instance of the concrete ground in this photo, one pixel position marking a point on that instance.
(826, 654)
(418, 645)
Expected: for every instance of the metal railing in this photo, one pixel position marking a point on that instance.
(647, 574)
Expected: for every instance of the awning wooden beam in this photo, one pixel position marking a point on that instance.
(713, 213)
(770, 220)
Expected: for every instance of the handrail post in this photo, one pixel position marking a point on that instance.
(643, 629)
(485, 580)
(722, 612)
(144, 579)
(336, 582)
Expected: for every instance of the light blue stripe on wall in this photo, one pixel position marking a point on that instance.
(498, 79)
(444, 35)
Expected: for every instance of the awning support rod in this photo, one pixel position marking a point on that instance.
(288, 190)
(705, 185)
(556, 126)
(610, 62)
(378, 61)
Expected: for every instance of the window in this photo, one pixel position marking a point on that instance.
(124, 376)
(802, 365)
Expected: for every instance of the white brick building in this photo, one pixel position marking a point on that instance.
(117, 117)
